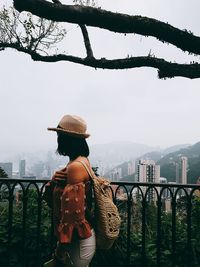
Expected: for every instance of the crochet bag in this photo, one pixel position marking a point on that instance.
(107, 218)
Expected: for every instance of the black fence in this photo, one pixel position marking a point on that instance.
(160, 225)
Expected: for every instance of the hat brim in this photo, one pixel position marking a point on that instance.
(71, 133)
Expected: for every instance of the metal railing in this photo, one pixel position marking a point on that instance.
(160, 225)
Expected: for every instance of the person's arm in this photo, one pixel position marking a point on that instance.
(59, 176)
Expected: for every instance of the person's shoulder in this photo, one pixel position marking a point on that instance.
(76, 173)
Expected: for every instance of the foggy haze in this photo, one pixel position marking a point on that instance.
(124, 105)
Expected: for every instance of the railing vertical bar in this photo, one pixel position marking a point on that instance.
(129, 203)
(189, 245)
(39, 200)
(24, 217)
(10, 222)
(159, 205)
(144, 203)
(173, 204)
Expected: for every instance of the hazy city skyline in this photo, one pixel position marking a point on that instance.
(129, 105)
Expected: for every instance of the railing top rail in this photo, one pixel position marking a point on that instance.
(119, 183)
(25, 180)
(157, 184)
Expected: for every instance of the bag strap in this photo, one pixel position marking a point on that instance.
(88, 169)
(92, 175)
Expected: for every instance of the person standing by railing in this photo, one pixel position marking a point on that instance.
(71, 197)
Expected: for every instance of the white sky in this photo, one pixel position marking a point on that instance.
(125, 105)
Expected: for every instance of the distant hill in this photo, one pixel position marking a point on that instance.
(175, 148)
(169, 161)
(157, 155)
(153, 155)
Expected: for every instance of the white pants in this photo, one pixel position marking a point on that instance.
(82, 251)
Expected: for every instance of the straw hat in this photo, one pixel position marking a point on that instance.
(72, 125)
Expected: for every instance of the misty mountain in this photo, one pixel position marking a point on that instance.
(159, 154)
(175, 148)
(117, 152)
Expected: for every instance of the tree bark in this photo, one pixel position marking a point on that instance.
(115, 22)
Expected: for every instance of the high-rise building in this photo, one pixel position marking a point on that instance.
(22, 168)
(184, 167)
(148, 172)
(7, 167)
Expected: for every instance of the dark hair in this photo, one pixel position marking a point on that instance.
(72, 146)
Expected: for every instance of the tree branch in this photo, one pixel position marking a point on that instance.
(56, 2)
(115, 22)
(85, 36)
(165, 69)
(87, 41)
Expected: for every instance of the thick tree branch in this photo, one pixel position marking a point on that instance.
(165, 69)
(86, 41)
(56, 2)
(115, 22)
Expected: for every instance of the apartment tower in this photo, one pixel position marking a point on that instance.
(148, 172)
(184, 167)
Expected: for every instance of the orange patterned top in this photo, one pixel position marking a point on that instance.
(70, 202)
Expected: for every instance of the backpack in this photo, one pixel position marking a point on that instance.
(107, 218)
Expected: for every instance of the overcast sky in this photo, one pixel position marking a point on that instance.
(125, 105)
